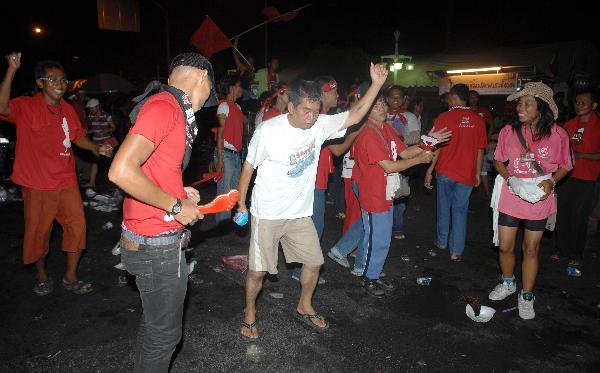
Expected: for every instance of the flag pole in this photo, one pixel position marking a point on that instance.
(267, 21)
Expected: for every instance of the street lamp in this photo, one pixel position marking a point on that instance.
(38, 30)
(398, 61)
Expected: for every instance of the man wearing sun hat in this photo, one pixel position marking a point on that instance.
(532, 155)
(149, 168)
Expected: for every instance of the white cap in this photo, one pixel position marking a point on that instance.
(93, 102)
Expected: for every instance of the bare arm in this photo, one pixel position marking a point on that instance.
(480, 154)
(390, 166)
(429, 172)
(413, 137)
(340, 149)
(378, 76)
(85, 143)
(502, 170)
(14, 63)
(411, 152)
(221, 118)
(245, 176)
(126, 172)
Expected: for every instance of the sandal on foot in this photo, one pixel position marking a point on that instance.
(42, 288)
(249, 327)
(77, 287)
(308, 319)
(456, 257)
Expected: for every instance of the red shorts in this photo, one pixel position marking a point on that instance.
(41, 208)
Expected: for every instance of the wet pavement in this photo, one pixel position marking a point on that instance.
(415, 328)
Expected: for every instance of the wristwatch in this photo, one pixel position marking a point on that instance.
(176, 209)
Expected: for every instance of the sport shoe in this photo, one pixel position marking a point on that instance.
(440, 246)
(320, 282)
(335, 255)
(399, 236)
(502, 291)
(373, 288)
(526, 311)
(385, 285)
(357, 271)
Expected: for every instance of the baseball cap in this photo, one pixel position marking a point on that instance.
(93, 102)
(539, 90)
(198, 61)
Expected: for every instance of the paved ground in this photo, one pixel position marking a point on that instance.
(415, 329)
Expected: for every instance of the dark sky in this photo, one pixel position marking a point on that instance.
(73, 37)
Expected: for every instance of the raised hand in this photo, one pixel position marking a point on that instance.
(379, 74)
(14, 60)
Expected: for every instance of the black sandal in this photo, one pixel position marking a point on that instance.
(249, 327)
(308, 319)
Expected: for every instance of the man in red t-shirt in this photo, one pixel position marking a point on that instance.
(148, 167)
(576, 194)
(458, 168)
(44, 167)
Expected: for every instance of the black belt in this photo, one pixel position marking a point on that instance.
(231, 151)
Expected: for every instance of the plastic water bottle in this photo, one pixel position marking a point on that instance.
(572, 271)
(106, 226)
(241, 218)
(424, 280)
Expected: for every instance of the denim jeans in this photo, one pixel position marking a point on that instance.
(452, 209)
(399, 209)
(162, 293)
(353, 238)
(376, 242)
(232, 166)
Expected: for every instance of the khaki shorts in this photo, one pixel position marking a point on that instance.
(298, 239)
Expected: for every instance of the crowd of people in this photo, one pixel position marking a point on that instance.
(283, 172)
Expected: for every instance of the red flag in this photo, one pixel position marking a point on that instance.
(272, 13)
(209, 38)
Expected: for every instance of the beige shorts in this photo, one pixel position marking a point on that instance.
(298, 239)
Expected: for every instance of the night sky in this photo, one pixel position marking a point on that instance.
(72, 35)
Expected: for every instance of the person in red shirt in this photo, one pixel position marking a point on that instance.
(576, 194)
(44, 167)
(458, 168)
(149, 168)
(277, 103)
(229, 138)
(377, 149)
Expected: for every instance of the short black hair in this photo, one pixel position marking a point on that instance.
(474, 92)
(462, 91)
(395, 87)
(308, 89)
(40, 68)
(588, 91)
(229, 81)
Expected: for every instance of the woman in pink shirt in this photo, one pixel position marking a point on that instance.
(532, 155)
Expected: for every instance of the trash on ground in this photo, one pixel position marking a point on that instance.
(432, 253)
(485, 314)
(421, 363)
(120, 266)
(572, 271)
(406, 258)
(510, 309)
(51, 356)
(473, 298)
(424, 280)
(236, 262)
(117, 249)
(276, 295)
(218, 269)
(122, 280)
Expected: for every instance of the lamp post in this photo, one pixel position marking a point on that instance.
(397, 36)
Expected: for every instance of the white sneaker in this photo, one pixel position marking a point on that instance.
(502, 291)
(526, 311)
(335, 255)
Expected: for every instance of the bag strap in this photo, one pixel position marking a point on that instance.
(536, 165)
(385, 144)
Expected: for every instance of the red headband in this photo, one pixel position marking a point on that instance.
(329, 86)
(281, 91)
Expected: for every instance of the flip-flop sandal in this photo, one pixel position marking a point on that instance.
(308, 319)
(249, 327)
(456, 258)
(78, 287)
(42, 288)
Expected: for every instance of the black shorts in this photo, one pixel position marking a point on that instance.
(531, 225)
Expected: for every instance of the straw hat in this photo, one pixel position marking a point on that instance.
(539, 90)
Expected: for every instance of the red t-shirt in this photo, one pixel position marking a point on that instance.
(367, 173)
(161, 121)
(458, 159)
(233, 132)
(44, 155)
(585, 138)
(324, 168)
(271, 113)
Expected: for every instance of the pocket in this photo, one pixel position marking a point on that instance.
(140, 266)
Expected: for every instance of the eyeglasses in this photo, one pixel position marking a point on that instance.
(55, 81)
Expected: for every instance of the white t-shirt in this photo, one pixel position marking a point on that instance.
(286, 159)
(223, 109)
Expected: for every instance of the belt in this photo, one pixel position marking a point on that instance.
(231, 151)
(163, 239)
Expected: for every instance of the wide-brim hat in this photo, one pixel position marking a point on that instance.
(539, 90)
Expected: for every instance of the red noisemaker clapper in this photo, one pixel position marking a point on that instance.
(221, 203)
(428, 143)
(208, 176)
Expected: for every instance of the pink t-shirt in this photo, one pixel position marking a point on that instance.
(551, 153)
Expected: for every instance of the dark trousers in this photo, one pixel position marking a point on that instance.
(163, 294)
(575, 199)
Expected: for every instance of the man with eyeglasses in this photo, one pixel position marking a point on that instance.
(45, 169)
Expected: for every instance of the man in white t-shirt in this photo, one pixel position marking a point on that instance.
(285, 152)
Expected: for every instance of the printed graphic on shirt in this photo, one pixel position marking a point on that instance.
(524, 164)
(301, 160)
(578, 135)
(67, 141)
(465, 122)
(394, 149)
